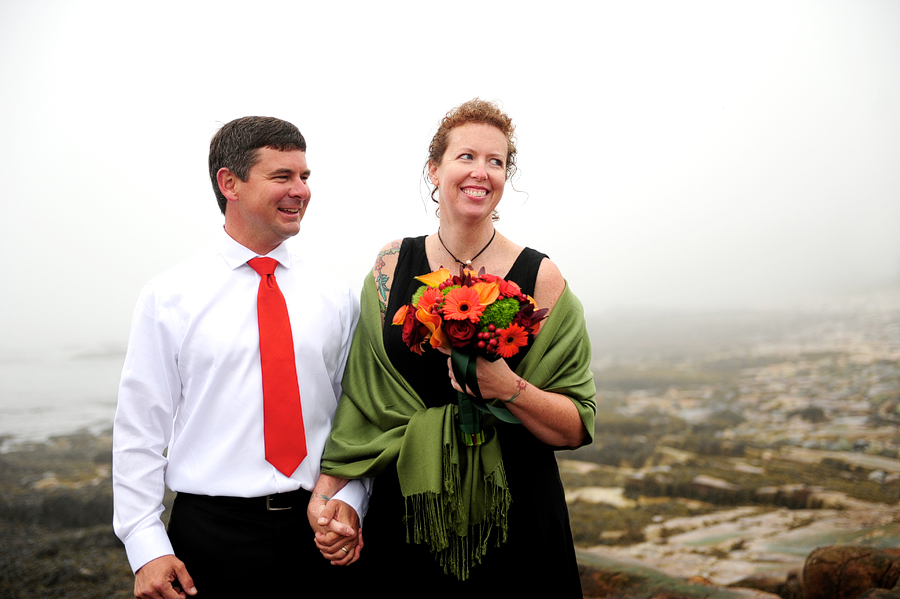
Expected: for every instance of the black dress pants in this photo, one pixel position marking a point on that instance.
(236, 547)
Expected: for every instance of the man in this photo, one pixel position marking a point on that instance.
(200, 412)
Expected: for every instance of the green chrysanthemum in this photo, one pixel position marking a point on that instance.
(418, 294)
(500, 313)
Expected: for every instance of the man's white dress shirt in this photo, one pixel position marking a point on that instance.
(192, 383)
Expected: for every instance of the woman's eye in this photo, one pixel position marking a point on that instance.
(497, 162)
(466, 156)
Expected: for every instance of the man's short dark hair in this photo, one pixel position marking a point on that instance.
(235, 146)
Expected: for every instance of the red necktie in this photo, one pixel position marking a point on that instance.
(282, 415)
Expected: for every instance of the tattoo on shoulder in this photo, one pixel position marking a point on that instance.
(381, 279)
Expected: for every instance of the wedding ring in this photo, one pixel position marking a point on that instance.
(345, 550)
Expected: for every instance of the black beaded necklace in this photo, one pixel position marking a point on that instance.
(467, 262)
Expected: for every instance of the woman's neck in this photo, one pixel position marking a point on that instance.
(464, 244)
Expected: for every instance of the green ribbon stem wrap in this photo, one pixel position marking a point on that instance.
(472, 406)
(456, 496)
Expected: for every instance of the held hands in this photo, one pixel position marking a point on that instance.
(163, 578)
(336, 525)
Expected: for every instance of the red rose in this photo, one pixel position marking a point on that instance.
(459, 332)
(509, 289)
(414, 332)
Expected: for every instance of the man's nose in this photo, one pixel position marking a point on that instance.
(300, 189)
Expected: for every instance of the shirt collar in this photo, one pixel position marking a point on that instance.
(237, 255)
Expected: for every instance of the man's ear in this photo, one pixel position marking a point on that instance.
(227, 184)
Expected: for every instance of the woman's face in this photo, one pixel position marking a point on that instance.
(472, 173)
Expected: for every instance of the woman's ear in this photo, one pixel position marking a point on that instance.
(432, 173)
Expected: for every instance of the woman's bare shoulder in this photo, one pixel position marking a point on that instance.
(549, 285)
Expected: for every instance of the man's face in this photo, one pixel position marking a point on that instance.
(267, 208)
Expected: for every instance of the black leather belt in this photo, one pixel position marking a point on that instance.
(271, 503)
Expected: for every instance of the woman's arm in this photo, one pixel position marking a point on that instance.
(383, 272)
(551, 417)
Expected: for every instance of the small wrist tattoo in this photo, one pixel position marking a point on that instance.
(323, 496)
(521, 385)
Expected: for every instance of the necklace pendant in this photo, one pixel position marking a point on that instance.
(467, 262)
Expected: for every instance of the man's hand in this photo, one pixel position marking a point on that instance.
(336, 525)
(163, 578)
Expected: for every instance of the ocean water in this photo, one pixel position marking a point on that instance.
(44, 394)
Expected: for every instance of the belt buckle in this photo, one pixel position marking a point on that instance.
(269, 507)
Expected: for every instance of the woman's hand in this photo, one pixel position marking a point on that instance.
(551, 417)
(495, 379)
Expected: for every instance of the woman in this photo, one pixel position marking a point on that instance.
(396, 419)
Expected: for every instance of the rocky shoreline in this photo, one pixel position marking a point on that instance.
(56, 538)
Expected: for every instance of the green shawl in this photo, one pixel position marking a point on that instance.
(456, 496)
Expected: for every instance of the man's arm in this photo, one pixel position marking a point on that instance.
(148, 392)
(337, 505)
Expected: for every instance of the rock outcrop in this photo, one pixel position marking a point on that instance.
(848, 571)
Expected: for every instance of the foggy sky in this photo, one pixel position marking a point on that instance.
(686, 155)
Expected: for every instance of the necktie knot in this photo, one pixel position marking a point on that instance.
(263, 266)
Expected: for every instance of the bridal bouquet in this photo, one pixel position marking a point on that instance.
(471, 315)
(480, 314)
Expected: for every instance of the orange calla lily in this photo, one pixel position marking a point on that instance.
(433, 323)
(433, 279)
(488, 292)
(439, 339)
(400, 315)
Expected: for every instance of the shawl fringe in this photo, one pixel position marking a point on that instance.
(439, 520)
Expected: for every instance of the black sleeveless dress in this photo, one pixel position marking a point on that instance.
(538, 558)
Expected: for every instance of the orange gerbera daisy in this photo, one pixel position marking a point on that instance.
(429, 297)
(462, 303)
(511, 339)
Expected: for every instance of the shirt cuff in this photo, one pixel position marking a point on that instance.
(147, 545)
(356, 494)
